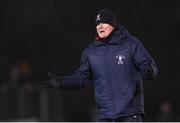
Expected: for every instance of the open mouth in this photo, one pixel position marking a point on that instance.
(102, 31)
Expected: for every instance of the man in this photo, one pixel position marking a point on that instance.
(116, 62)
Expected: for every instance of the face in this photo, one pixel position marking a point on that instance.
(104, 29)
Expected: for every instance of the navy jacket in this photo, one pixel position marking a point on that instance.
(116, 68)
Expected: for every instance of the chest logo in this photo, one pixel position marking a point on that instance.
(120, 59)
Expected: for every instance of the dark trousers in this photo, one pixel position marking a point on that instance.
(132, 118)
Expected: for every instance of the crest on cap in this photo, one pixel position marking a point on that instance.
(98, 18)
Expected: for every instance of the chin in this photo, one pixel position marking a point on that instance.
(102, 37)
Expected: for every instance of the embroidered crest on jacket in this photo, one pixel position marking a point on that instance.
(120, 59)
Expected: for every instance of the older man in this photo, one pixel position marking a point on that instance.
(117, 63)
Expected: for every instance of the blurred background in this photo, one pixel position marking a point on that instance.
(37, 36)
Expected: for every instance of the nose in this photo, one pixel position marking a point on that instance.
(99, 25)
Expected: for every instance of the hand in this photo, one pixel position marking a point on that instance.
(52, 82)
(149, 71)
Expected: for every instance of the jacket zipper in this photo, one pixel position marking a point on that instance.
(108, 72)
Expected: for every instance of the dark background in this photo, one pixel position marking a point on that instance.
(49, 35)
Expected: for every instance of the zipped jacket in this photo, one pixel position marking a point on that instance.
(116, 69)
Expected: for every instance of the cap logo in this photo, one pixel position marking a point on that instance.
(98, 17)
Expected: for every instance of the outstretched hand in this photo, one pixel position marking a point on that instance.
(52, 82)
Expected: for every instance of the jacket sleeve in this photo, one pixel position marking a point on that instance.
(80, 77)
(142, 60)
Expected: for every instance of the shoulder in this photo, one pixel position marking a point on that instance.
(89, 48)
(133, 41)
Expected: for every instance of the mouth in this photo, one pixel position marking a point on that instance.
(101, 31)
